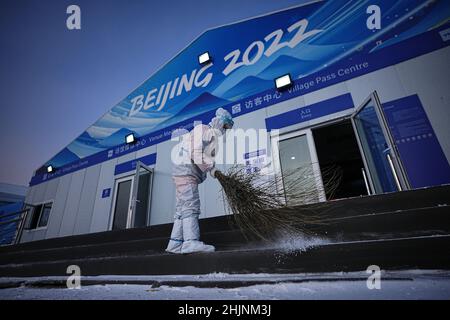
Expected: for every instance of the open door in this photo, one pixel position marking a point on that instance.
(382, 166)
(121, 205)
(132, 197)
(295, 158)
(141, 196)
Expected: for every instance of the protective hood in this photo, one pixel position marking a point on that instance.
(222, 118)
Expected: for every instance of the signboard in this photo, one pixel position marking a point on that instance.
(420, 152)
(316, 43)
(255, 161)
(311, 112)
(106, 193)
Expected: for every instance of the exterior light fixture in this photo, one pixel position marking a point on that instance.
(204, 58)
(130, 138)
(50, 169)
(283, 82)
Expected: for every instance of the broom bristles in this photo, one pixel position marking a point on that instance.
(264, 207)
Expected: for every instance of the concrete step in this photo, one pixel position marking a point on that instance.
(420, 198)
(388, 202)
(429, 252)
(430, 220)
(223, 240)
(387, 225)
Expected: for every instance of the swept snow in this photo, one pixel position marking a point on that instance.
(290, 243)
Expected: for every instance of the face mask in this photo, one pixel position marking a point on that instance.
(222, 130)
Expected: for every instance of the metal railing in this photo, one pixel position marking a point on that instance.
(18, 217)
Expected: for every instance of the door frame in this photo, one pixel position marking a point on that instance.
(275, 141)
(396, 166)
(134, 190)
(116, 189)
(347, 118)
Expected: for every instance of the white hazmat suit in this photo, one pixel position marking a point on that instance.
(197, 154)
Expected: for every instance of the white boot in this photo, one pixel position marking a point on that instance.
(191, 235)
(176, 238)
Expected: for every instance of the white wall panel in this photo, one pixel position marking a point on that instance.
(30, 194)
(72, 203)
(102, 206)
(163, 196)
(59, 205)
(87, 200)
(51, 190)
(385, 81)
(39, 194)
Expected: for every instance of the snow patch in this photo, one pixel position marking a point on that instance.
(291, 243)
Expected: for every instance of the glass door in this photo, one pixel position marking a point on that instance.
(382, 164)
(141, 198)
(132, 196)
(121, 205)
(299, 168)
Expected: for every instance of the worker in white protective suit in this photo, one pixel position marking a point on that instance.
(197, 152)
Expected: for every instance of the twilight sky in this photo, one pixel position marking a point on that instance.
(55, 83)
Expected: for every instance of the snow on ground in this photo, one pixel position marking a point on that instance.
(412, 284)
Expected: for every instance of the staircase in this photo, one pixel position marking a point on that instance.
(403, 230)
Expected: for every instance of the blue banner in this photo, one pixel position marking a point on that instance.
(420, 152)
(315, 43)
(310, 112)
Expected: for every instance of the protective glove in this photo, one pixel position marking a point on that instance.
(213, 172)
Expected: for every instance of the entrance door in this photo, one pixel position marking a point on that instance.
(140, 215)
(383, 168)
(299, 168)
(340, 160)
(121, 205)
(132, 195)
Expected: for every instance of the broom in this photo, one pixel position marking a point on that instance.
(266, 208)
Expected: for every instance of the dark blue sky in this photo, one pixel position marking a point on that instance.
(55, 83)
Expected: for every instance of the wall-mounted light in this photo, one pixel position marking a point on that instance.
(204, 58)
(50, 169)
(130, 138)
(283, 82)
